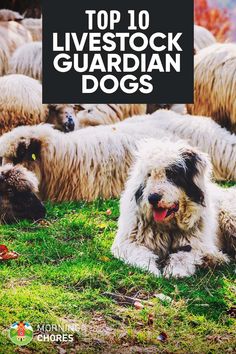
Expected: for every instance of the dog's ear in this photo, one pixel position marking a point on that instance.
(188, 175)
(196, 164)
(139, 193)
(27, 152)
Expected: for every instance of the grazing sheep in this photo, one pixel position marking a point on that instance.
(20, 102)
(27, 60)
(93, 162)
(9, 15)
(202, 38)
(18, 195)
(215, 84)
(101, 114)
(34, 25)
(14, 34)
(169, 211)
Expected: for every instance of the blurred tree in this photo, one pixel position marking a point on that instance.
(214, 19)
(31, 8)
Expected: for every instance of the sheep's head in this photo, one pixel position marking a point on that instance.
(63, 116)
(18, 147)
(18, 195)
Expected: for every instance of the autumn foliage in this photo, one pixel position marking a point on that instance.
(214, 19)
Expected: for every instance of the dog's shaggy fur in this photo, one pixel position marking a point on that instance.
(27, 60)
(20, 102)
(169, 217)
(14, 34)
(202, 38)
(215, 84)
(93, 162)
(101, 114)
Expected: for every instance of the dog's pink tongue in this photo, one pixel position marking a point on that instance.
(159, 214)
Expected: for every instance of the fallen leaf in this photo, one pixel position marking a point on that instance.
(9, 255)
(3, 249)
(102, 226)
(231, 312)
(138, 305)
(150, 319)
(163, 297)
(104, 259)
(108, 212)
(162, 337)
(5, 254)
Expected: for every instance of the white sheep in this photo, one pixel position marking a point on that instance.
(14, 34)
(9, 15)
(94, 162)
(20, 102)
(202, 38)
(27, 60)
(215, 84)
(34, 25)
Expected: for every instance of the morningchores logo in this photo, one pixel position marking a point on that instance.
(129, 52)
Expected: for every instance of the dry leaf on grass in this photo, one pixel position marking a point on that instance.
(104, 259)
(5, 254)
(138, 305)
(162, 337)
(232, 312)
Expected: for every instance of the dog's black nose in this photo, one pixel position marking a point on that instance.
(154, 198)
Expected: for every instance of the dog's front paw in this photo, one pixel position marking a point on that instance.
(154, 270)
(216, 258)
(177, 272)
(179, 265)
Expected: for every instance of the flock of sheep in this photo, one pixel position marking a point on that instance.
(93, 158)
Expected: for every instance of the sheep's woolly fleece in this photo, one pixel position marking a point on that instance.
(27, 60)
(14, 34)
(34, 25)
(93, 162)
(4, 57)
(215, 84)
(202, 38)
(101, 114)
(169, 211)
(20, 102)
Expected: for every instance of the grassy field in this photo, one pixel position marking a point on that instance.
(64, 268)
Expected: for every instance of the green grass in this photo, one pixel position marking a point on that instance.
(66, 266)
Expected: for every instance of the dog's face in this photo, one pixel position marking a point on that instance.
(63, 117)
(171, 182)
(18, 195)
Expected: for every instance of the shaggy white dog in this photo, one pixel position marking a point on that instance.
(169, 212)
